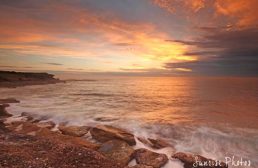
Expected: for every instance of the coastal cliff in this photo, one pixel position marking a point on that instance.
(15, 79)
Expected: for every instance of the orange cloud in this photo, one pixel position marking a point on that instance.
(241, 13)
(165, 4)
(173, 5)
(244, 11)
(184, 69)
(195, 5)
(84, 34)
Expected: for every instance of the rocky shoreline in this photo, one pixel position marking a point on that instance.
(11, 79)
(29, 142)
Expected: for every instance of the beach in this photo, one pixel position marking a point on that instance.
(29, 142)
(169, 117)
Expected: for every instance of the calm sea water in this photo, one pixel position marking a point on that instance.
(214, 117)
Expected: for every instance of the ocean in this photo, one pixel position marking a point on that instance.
(216, 117)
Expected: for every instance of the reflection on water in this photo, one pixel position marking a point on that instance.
(210, 116)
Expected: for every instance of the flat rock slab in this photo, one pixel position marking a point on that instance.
(47, 124)
(104, 133)
(159, 143)
(28, 128)
(60, 138)
(191, 160)
(34, 118)
(154, 143)
(23, 127)
(117, 150)
(149, 158)
(77, 131)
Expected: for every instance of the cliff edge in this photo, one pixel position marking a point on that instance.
(15, 79)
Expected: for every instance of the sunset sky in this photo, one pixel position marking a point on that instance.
(155, 37)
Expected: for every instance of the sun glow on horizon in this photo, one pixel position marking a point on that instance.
(143, 36)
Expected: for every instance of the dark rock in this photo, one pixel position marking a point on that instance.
(105, 133)
(3, 112)
(154, 143)
(9, 100)
(60, 138)
(47, 124)
(76, 131)
(140, 166)
(43, 117)
(149, 158)
(117, 150)
(27, 115)
(28, 128)
(34, 118)
(197, 161)
(144, 141)
(105, 119)
(158, 143)
(3, 128)
(24, 127)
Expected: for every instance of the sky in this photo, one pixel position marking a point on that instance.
(147, 37)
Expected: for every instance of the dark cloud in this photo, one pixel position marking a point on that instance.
(3, 66)
(200, 53)
(123, 44)
(223, 51)
(52, 63)
(28, 4)
(75, 69)
(26, 67)
(134, 70)
(219, 67)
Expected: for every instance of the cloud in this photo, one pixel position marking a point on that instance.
(165, 4)
(123, 44)
(75, 69)
(106, 39)
(173, 6)
(244, 11)
(241, 41)
(183, 69)
(52, 63)
(24, 67)
(134, 70)
(3, 66)
(70, 30)
(221, 51)
(240, 13)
